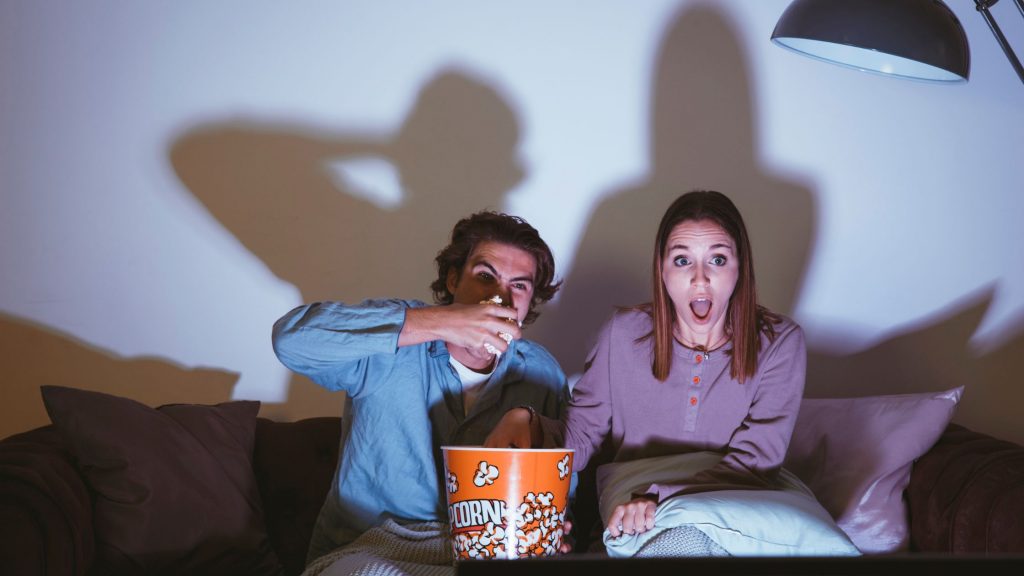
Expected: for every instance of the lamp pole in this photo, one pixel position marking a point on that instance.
(983, 6)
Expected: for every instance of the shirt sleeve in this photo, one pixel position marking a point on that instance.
(550, 409)
(333, 343)
(758, 447)
(588, 417)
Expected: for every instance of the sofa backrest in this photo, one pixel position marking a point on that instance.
(294, 464)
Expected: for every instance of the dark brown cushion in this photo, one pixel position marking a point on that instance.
(174, 488)
(966, 495)
(45, 507)
(294, 464)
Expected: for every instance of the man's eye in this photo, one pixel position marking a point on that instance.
(484, 276)
(519, 286)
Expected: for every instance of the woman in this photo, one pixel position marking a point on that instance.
(700, 368)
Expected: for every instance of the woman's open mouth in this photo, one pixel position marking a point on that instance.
(700, 307)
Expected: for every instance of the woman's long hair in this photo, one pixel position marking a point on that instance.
(745, 319)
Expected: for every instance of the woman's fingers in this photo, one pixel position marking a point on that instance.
(629, 520)
(635, 517)
(615, 521)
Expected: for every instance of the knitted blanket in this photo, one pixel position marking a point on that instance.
(391, 549)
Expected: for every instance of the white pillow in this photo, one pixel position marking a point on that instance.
(785, 522)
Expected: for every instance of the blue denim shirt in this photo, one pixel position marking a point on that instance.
(402, 405)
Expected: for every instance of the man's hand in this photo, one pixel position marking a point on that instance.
(518, 428)
(567, 540)
(472, 326)
(634, 517)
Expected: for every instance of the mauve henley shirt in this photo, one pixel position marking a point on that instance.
(698, 407)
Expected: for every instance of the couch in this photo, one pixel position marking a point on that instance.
(965, 496)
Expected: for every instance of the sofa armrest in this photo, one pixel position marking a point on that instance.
(45, 507)
(966, 495)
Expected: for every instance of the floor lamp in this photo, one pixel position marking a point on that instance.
(918, 39)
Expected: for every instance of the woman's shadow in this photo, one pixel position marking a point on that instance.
(276, 188)
(702, 135)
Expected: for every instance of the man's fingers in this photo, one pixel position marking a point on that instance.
(567, 539)
(494, 344)
(485, 326)
(502, 326)
(510, 432)
(508, 316)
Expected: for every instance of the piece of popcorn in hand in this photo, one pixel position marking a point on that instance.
(496, 299)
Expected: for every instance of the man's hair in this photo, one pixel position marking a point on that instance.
(489, 226)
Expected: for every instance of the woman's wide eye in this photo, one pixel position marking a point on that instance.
(680, 261)
(718, 260)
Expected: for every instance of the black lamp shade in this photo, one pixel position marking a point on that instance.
(920, 39)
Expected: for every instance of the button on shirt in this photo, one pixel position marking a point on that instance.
(700, 406)
(402, 404)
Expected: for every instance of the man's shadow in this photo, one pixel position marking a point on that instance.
(33, 355)
(273, 186)
(702, 136)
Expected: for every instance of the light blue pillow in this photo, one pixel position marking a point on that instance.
(784, 522)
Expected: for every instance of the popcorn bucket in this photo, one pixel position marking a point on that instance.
(506, 502)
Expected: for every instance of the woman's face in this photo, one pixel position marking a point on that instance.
(700, 268)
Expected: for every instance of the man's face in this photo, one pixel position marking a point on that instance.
(496, 269)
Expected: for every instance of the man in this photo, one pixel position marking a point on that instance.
(418, 377)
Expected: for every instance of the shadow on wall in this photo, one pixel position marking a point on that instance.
(272, 187)
(456, 154)
(702, 136)
(34, 356)
(933, 357)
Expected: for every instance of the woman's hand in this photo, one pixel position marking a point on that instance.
(633, 517)
(518, 428)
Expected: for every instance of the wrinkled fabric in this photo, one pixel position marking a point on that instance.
(700, 406)
(391, 549)
(786, 521)
(402, 405)
(860, 477)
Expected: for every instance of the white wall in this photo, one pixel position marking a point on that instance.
(175, 177)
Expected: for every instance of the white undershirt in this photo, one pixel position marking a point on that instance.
(472, 382)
